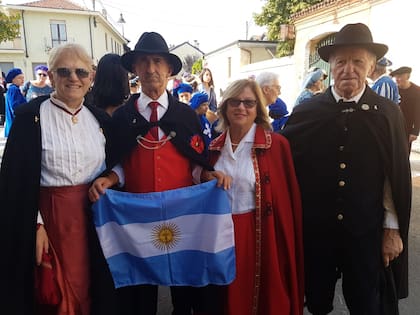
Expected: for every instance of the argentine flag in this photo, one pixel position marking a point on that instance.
(180, 237)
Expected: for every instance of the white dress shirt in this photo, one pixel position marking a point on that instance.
(239, 166)
(72, 153)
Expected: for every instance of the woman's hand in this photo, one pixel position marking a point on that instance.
(41, 243)
(100, 185)
(222, 179)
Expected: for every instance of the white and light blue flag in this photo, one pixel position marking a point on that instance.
(172, 238)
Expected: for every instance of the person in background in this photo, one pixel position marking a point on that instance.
(110, 87)
(352, 164)
(14, 98)
(39, 86)
(207, 86)
(183, 92)
(134, 83)
(383, 84)
(156, 146)
(279, 113)
(313, 85)
(55, 149)
(409, 102)
(192, 80)
(200, 103)
(270, 86)
(265, 203)
(3, 89)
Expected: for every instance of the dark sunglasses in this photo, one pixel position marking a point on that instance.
(42, 74)
(66, 72)
(247, 103)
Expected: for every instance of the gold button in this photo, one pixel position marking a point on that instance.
(340, 217)
(342, 166)
(341, 148)
(341, 183)
(158, 157)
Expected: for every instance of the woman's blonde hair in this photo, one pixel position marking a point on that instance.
(233, 91)
(70, 49)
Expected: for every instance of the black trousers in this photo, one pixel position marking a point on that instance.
(357, 259)
(142, 300)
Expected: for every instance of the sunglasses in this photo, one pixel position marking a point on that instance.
(66, 72)
(247, 103)
(42, 74)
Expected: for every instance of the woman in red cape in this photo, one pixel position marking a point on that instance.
(266, 207)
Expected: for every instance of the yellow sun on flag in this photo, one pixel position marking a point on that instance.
(166, 235)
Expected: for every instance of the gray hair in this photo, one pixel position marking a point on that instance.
(266, 78)
(71, 49)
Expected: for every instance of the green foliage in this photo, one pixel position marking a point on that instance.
(197, 67)
(285, 48)
(9, 26)
(277, 12)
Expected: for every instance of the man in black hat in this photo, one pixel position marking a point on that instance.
(409, 102)
(353, 170)
(156, 139)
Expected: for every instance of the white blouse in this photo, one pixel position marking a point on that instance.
(72, 153)
(239, 166)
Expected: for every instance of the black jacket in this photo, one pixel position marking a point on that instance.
(179, 119)
(342, 154)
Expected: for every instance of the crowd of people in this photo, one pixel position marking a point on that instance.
(307, 206)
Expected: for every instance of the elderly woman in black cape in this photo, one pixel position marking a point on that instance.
(55, 149)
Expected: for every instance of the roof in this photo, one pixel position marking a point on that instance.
(319, 7)
(247, 44)
(189, 44)
(54, 4)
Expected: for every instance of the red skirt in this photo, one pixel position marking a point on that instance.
(273, 297)
(64, 212)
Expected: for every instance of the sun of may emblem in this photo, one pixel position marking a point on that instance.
(166, 235)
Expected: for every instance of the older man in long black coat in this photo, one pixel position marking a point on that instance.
(352, 164)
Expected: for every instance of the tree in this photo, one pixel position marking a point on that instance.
(9, 25)
(277, 12)
(197, 67)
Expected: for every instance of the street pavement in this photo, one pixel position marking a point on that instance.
(409, 306)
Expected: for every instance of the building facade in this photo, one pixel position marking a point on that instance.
(47, 23)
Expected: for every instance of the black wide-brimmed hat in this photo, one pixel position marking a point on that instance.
(353, 35)
(151, 43)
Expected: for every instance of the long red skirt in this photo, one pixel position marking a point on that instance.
(273, 297)
(63, 210)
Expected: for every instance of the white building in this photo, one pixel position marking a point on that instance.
(47, 23)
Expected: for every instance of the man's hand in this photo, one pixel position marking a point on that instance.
(392, 245)
(222, 179)
(41, 243)
(101, 184)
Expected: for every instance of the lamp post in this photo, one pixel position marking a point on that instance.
(122, 22)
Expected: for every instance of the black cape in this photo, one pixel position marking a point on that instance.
(313, 129)
(19, 197)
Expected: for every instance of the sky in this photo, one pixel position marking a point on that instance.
(213, 23)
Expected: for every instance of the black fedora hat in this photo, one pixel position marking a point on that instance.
(151, 43)
(353, 35)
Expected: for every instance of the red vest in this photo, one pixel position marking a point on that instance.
(153, 170)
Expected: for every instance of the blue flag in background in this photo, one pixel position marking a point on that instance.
(176, 237)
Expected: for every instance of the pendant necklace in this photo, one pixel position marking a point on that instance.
(74, 118)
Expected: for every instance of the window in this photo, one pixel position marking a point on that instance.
(106, 41)
(58, 33)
